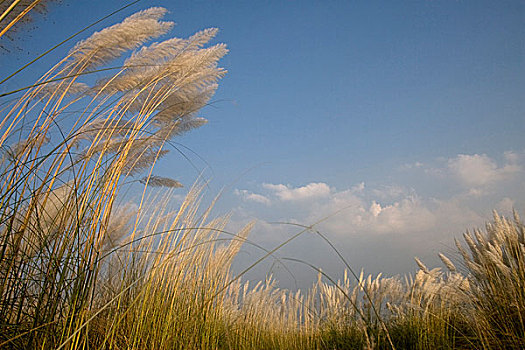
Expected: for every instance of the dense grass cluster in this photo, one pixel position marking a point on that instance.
(82, 268)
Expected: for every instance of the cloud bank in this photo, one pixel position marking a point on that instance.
(421, 210)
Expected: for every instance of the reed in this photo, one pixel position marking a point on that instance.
(80, 267)
(67, 149)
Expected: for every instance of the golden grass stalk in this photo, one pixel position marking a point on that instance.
(80, 270)
(67, 147)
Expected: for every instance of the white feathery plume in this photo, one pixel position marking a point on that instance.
(482, 242)
(519, 227)
(32, 141)
(177, 128)
(111, 42)
(202, 37)
(472, 246)
(168, 60)
(51, 215)
(461, 250)
(165, 83)
(66, 88)
(182, 104)
(448, 263)
(422, 266)
(187, 82)
(139, 160)
(120, 223)
(159, 181)
(103, 128)
(165, 51)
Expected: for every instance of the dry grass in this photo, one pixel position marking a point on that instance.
(79, 269)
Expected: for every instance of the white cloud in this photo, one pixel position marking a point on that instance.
(350, 211)
(405, 216)
(310, 191)
(431, 203)
(418, 211)
(375, 209)
(393, 208)
(409, 215)
(358, 188)
(480, 170)
(252, 197)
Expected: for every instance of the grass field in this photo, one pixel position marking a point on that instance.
(81, 268)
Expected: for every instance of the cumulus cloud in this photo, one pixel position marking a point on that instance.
(252, 197)
(288, 193)
(479, 170)
(350, 212)
(405, 216)
(416, 211)
(441, 195)
(358, 188)
(360, 216)
(375, 209)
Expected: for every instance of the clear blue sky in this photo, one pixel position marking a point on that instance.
(412, 113)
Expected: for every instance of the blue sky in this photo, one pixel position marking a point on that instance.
(409, 114)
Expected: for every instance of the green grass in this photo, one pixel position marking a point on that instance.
(80, 268)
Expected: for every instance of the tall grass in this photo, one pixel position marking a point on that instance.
(81, 268)
(68, 147)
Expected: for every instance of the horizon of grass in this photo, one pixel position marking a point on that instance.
(81, 268)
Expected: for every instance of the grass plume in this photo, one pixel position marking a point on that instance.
(82, 268)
